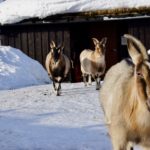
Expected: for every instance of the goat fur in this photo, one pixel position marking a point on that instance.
(57, 70)
(125, 98)
(93, 62)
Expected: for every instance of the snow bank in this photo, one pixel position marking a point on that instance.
(18, 70)
(12, 11)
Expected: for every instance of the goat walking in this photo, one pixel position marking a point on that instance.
(93, 62)
(125, 98)
(57, 65)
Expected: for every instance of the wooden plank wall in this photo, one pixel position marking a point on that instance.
(141, 30)
(34, 40)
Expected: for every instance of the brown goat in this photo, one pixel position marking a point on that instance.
(125, 98)
(57, 65)
(93, 62)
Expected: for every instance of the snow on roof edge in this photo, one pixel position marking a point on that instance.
(125, 12)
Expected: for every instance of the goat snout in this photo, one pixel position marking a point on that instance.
(56, 60)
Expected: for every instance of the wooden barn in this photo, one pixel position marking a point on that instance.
(33, 35)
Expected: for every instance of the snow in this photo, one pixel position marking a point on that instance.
(12, 11)
(18, 70)
(33, 118)
(148, 52)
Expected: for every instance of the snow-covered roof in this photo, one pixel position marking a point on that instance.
(12, 11)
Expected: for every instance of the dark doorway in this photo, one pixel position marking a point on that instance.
(81, 38)
(79, 41)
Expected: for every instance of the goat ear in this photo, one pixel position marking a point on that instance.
(52, 44)
(95, 41)
(103, 41)
(137, 45)
(136, 57)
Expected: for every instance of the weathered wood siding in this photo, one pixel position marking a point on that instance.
(141, 30)
(34, 40)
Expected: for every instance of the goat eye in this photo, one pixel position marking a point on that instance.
(139, 74)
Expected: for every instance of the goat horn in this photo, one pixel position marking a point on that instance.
(103, 41)
(95, 41)
(139, 44)
(53, 43)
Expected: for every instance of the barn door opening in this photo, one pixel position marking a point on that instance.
(79, 41)
(81, 38)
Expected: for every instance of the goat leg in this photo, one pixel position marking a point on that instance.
(98, 80)
(54, 86)
(90, 79)
(58, 87)
(84, 79)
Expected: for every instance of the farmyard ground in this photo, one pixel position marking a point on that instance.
(33, 118)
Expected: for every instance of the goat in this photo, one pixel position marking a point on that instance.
(57, 65)
(93, 62)
(125, 98)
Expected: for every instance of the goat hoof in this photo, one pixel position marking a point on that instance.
(58, 93)
(97, 88)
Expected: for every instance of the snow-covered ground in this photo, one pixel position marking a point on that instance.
(33, 118)
(12, 11)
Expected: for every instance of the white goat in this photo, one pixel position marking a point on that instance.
(93, 62)
(125, 98)
(57, 65)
